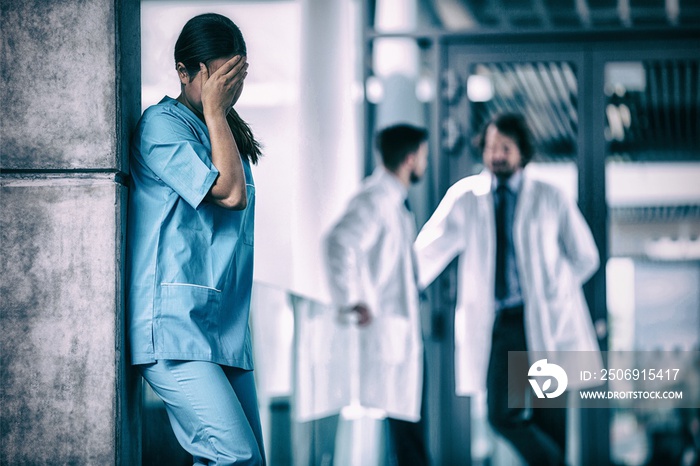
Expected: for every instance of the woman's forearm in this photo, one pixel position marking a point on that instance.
(229, 189)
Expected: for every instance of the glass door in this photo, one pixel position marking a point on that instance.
(541, 83)
(546, 93)
(652, 171)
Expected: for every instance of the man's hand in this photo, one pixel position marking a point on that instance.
(364, 316)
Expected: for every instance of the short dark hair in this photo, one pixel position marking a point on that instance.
(396, 142)
(515, 127)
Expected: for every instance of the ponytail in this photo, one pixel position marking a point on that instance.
(247, 145)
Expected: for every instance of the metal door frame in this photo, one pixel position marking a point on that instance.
(460, 57)
(589, 58)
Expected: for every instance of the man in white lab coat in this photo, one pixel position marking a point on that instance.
(372, 277)
(524, 252)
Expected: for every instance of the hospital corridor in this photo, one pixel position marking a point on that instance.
(392, 299)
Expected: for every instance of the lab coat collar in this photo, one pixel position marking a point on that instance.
(514, 183)
(396, 189)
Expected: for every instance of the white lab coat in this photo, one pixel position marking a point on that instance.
(369, 259)
(555, 254)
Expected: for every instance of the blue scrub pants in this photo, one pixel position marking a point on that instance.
(213, 410)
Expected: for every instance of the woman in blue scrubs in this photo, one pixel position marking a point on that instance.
(190, 253)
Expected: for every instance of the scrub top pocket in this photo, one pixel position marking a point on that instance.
(187, 321)
(387, 338)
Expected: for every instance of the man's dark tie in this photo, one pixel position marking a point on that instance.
(501, 240)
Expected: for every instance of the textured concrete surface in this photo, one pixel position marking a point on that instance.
(59, 241)
(58, 84)
(70, 88)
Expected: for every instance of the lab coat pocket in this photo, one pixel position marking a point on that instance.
(190, 313)
(570, 323)
(564, 303)
(390, 337)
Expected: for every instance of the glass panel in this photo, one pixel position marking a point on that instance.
(653, 196)
(546, 94)
(307, 375)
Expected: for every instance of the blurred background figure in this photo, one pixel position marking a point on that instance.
(372, 276)
(524, 253)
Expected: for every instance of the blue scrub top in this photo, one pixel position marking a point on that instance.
(189, 261)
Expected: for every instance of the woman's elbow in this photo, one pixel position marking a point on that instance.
(229, 199)
(233, 202)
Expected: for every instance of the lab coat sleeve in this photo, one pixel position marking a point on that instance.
(346, 246)
(171, 150)
(441, 238)
(577, 242)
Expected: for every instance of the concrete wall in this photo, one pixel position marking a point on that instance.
(70, 92)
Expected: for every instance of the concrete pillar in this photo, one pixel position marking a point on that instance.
(70, 93)
(330, 156)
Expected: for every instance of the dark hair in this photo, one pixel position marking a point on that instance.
(514, 126)
(209, 37)
(396, 142)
